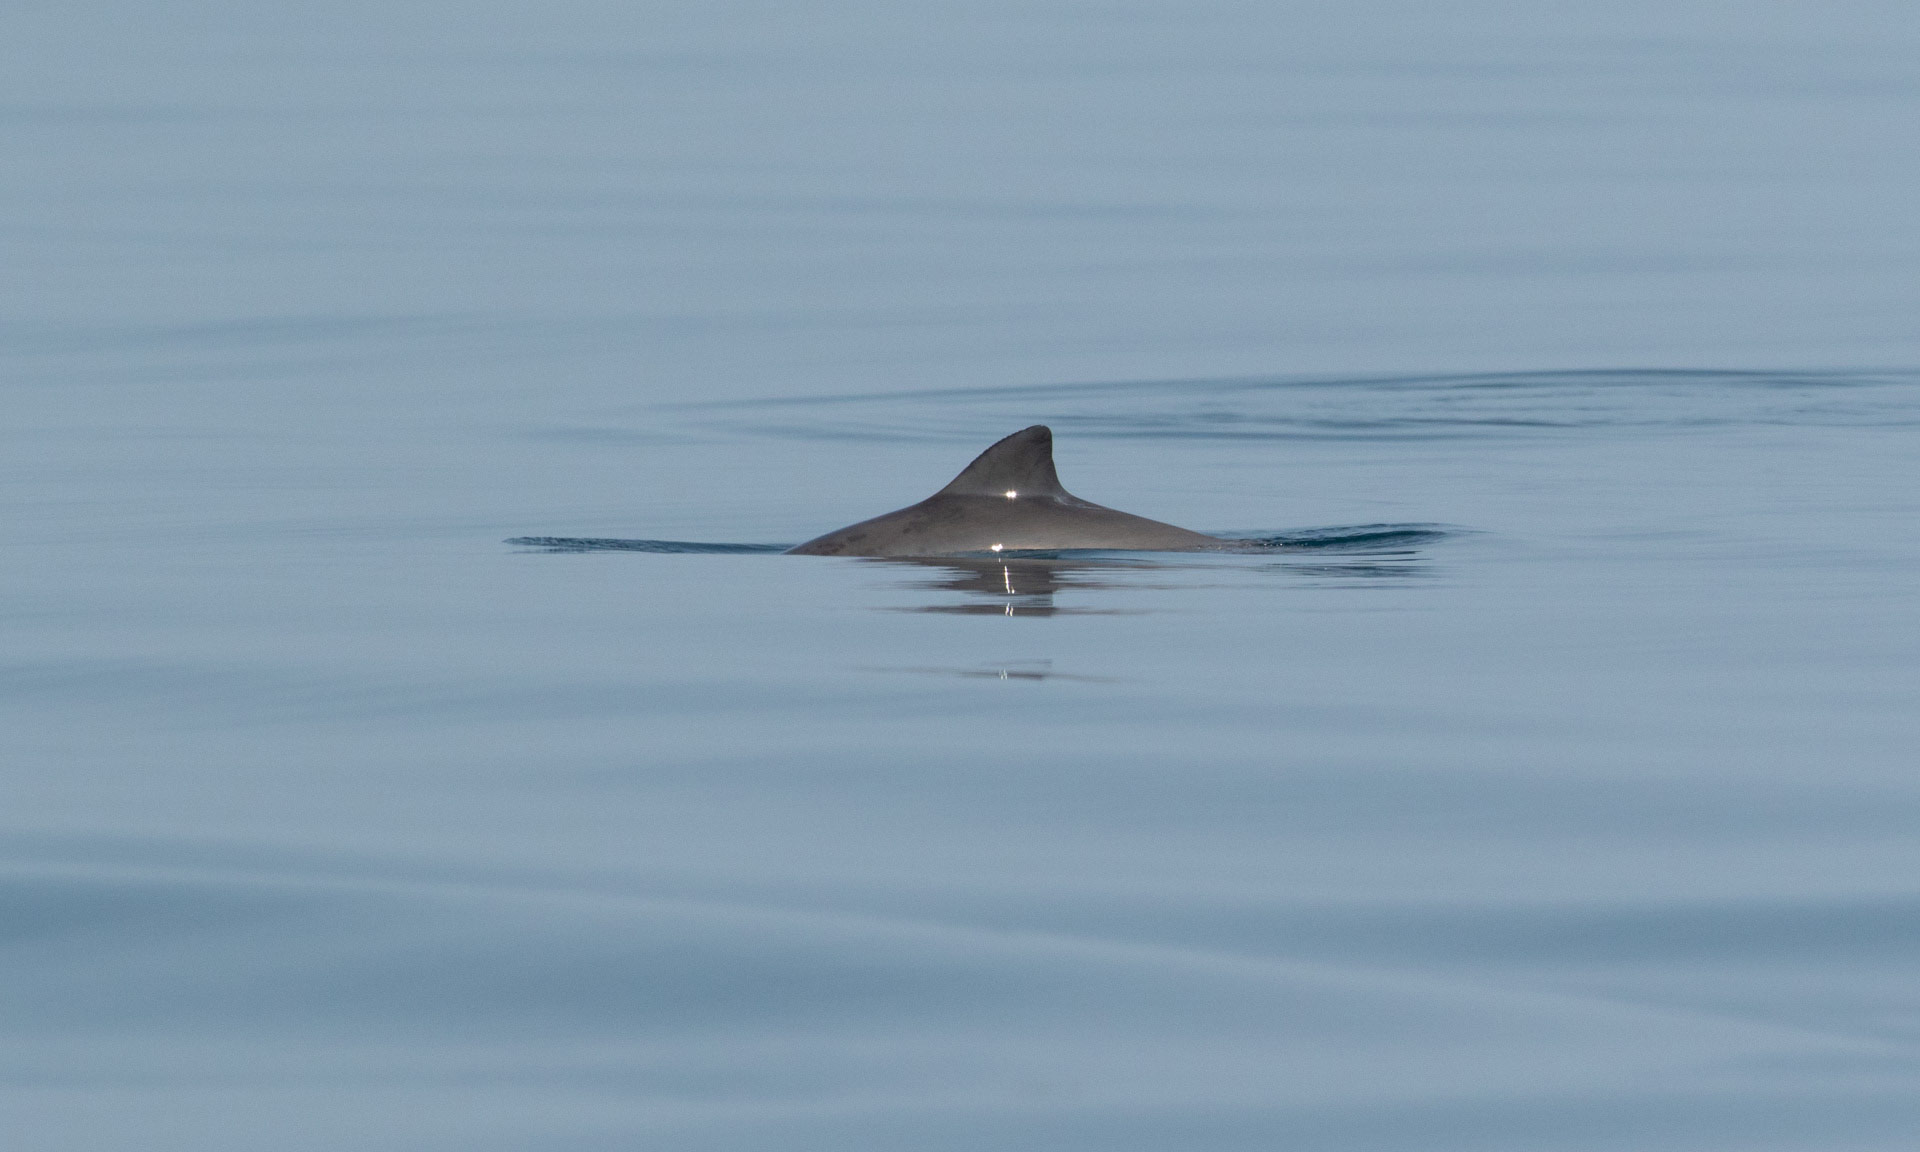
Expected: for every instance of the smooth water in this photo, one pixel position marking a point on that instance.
(414, 741)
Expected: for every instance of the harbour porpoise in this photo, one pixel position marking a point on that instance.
(1009, 499)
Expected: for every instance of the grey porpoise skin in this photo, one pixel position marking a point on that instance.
(1008, 499)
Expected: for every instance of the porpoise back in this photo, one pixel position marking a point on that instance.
(1008, 499)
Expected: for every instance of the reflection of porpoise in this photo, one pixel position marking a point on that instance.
(1008, 499)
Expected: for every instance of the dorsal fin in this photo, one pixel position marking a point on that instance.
(1021, 463)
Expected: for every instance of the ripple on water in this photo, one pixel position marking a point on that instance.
(1411, 407)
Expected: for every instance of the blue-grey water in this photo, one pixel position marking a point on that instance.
(1550, 784)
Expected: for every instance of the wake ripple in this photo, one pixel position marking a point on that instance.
(606, 544)
(1355, 538)
(1499, 405)
(1369, 539)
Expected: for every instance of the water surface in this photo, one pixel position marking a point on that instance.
(416, 741)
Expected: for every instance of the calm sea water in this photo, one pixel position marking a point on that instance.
(1553, 787)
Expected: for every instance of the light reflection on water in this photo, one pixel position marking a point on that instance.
(1028, 583)
(1028, 671)
(1032, 586)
